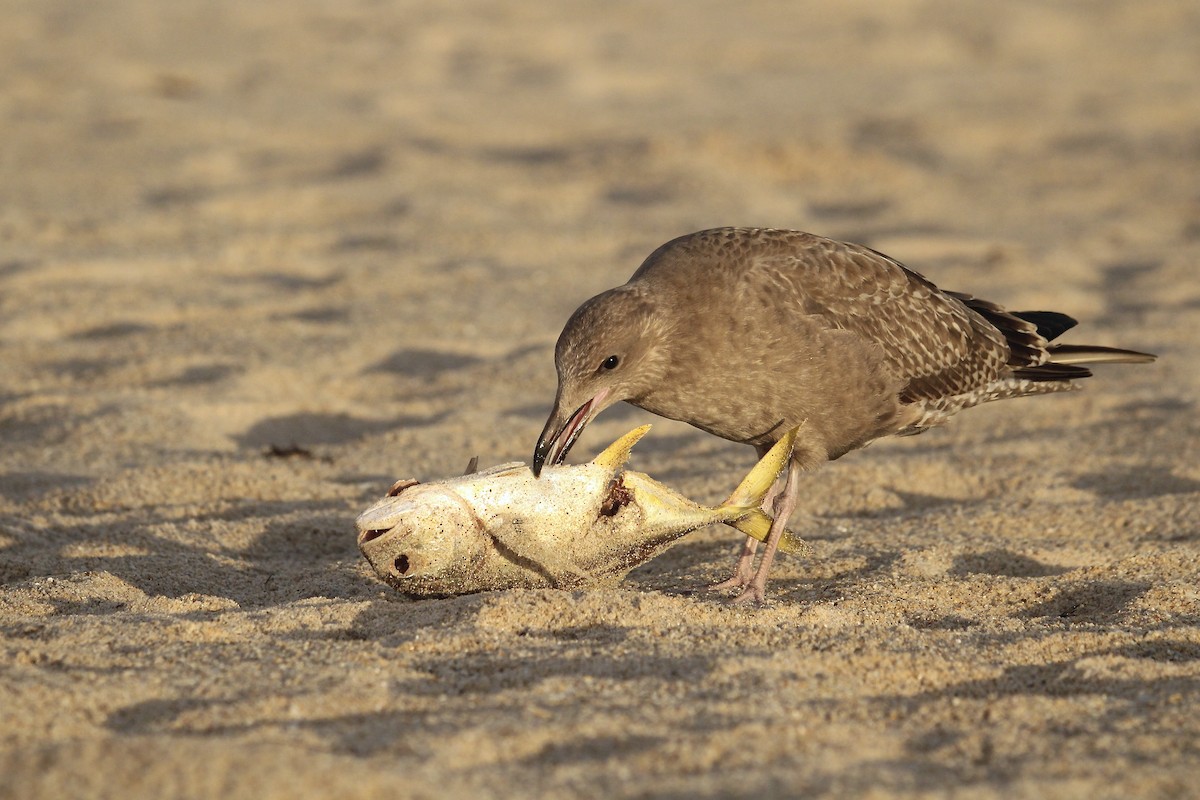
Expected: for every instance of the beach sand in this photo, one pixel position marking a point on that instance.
(259, 260)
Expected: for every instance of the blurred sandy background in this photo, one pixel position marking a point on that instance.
(357, 228)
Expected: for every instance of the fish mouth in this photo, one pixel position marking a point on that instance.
(413, 543)
(378, 519)
(370, 534)
(389, 554)
(553, 449)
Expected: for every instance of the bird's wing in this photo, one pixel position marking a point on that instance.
(932, 339)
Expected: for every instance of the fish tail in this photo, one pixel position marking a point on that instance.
(743, 508)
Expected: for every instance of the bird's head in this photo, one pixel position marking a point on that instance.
(613, 348)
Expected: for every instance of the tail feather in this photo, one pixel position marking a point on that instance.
(1095, 354)
(743, 508)
(1066, 360)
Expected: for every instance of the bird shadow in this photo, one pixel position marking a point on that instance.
(691, 567)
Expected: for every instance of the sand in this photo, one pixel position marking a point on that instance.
(352, 231)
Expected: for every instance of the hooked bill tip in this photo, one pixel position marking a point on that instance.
(539, 455)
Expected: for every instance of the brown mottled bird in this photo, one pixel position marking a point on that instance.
(749, 332)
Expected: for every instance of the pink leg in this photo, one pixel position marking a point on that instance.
(785, 504)
(743, 570)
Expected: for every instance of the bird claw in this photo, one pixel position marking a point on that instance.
(743, 570)
(733, 582)
(751, 594)
(748, 590)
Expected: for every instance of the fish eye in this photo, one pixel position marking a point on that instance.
(610, 362)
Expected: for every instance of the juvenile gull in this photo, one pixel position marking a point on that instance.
(749, 332)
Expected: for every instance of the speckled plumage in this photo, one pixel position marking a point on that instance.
(747, 332)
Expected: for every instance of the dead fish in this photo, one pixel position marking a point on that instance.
(577, 525)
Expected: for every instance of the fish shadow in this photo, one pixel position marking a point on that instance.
(448, 690)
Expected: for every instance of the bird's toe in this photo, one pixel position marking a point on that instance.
(733, 582)
(752, 594)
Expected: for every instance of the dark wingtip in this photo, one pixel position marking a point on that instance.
(1050, 324)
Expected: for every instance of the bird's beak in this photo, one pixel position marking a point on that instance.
(558, 436)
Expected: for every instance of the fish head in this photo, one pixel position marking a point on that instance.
(419, 538)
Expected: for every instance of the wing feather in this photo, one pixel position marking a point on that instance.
(939, 343)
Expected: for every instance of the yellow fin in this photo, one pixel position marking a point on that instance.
(757, 524)
(748, 496)
(617, 453)
(754, 486)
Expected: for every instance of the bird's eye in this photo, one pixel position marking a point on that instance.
(611, 362)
